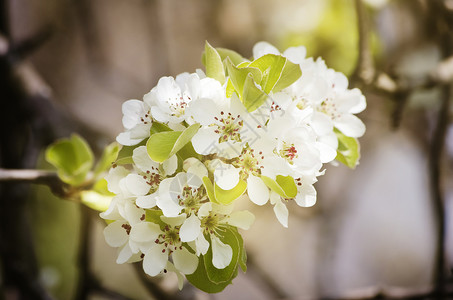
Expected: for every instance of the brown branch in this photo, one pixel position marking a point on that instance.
(48, 178)
(364, 71)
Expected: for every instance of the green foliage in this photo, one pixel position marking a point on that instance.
(72, 157)
(348, 152)
(228, 196)
(213, 64)
(212, 280)
(282, 185)
(163, 145)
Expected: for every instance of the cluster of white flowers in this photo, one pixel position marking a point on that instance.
(171, 212)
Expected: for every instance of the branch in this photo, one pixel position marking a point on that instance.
(364, 71)
(48, 178)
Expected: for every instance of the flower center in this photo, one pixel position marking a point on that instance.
(170, 239)
(210, 223)
(328, 107)
(228, 127)
(191, 198)
(249, 163)
(146, 118)
(178, 105)
(152, 178)
(289, 152)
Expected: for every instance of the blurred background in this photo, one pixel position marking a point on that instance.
(383, 230)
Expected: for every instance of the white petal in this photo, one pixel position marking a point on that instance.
(296, 54)
(174, 221)
(137, 185)
(350, 125)
(159, 115)
(281, 212)
(148, 201)
(124, 255)
(205, 141)
(145, 232)
(202, 245)
(185, 261)
(326, 152)
(203, 111)
(263, 48)
(114, 177)
(306, 196)
(132, 213)
(170, 165)
(125, 138)
(155, 260)
(256, 189)
(115, 235)
(321, 123)
(205, 209)
(190, 229)
(226, 176)
(170, 267)
(131, 112)
(221, 253)
(241, 219)
(143, 161)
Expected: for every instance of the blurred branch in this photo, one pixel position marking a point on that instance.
(364, 68)
(48, 178)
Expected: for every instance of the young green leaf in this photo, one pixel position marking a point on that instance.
(271, 67)
(252, 96)
(200, 279)
(282, 185)
(124, 156)
(163, 145)
(72, 157)
(95, 200)
(213, 64)
(228, 273)
(348, 152)
(108, 157)
(209, 189)
(235, 57)
(228, 196)
(290, 73)
(239, 75)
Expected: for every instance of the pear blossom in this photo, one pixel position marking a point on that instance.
(137, 122)
(175, 197)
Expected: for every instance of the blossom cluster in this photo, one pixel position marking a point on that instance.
(254, 130)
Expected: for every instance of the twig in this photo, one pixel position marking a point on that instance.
(364, 71)
(48, 178)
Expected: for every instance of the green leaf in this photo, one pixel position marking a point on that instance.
(239, 75)
(72, 157)
(209, 189)
(153, 215)
(200, 279)
(158, 127)
(125, 153)
(282, 185)
(235, 57)
(95, 200)
(109, 155)
(163, 145)
(228, 196)
(271, 67)
(252, 96)
(229, 237)
(213, 64)
(290, 73)
(348, 152)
